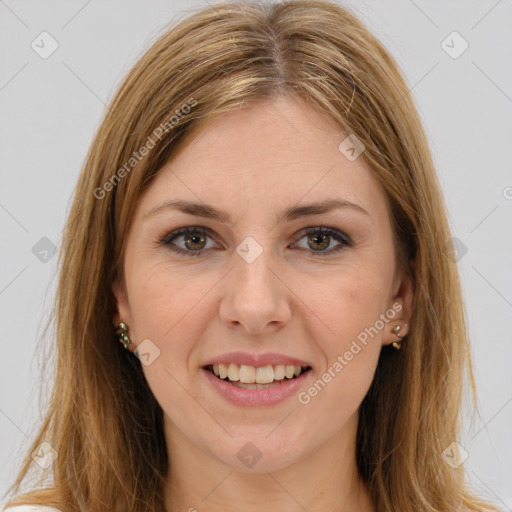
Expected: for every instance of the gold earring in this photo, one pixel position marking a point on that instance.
(123, 337)
(397, 344)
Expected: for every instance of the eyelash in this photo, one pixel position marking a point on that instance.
(167, 239)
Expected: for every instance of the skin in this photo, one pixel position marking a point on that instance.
(254, 163)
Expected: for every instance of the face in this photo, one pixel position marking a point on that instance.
(259, 289)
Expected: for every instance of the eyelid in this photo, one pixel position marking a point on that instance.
(170, 235)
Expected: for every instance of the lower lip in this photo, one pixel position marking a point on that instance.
(256, 397)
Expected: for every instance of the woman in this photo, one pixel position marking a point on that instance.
(256, 306)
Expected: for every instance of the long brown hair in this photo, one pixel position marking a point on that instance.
(102, 418)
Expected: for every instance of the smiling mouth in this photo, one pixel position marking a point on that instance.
(250, 377)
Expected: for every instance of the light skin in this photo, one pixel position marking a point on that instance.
(296, 299)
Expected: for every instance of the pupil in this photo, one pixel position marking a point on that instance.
(316, 239)
(196, 239)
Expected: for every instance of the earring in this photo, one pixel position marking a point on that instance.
(123, 337)
(397, 344)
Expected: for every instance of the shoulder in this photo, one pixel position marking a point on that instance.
(30, 508)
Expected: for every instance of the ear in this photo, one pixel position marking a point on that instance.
(122, 307)
(402, 303)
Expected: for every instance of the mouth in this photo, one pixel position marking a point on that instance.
(251, 377)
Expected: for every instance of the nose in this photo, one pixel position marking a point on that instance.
(255, 296)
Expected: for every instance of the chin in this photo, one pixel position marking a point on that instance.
(258, 450)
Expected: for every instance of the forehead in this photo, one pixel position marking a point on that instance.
(267, 156)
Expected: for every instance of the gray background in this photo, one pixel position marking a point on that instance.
(50, 108)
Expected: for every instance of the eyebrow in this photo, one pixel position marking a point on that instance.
(292, 213)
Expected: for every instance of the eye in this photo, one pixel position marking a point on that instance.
(320, 238)
(194, 240)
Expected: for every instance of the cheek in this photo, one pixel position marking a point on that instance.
(163, 294)
(168, 305)
(165, 303)
(351, 309)
(348, 302)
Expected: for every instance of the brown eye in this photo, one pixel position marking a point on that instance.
(318, 242)
(320, 238)
(190, 241)
(195, 240)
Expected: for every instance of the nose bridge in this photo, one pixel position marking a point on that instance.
(252, 273)
(254, 296)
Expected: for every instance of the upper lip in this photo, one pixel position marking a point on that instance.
(256, 360)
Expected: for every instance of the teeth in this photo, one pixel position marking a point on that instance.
(289, 371)
(223, 370)
(279, 372)
(233, 372)
(247, 374)
(264, 374)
